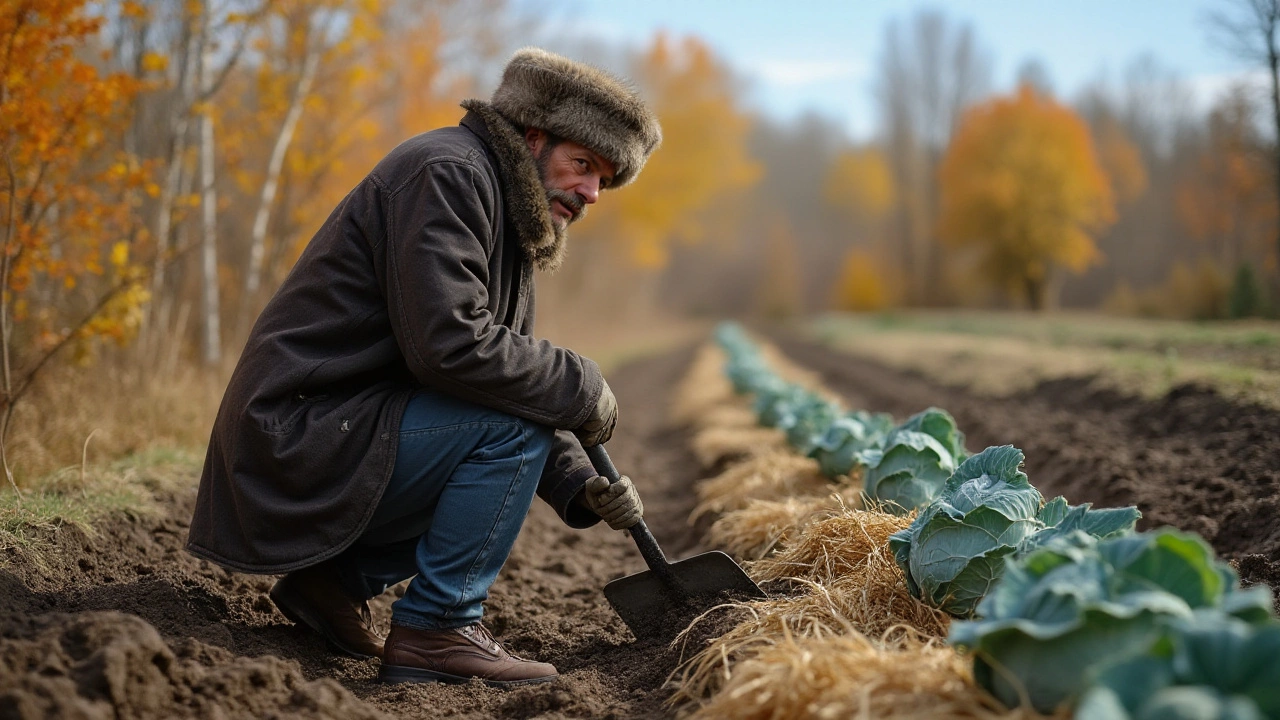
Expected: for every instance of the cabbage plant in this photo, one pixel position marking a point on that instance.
(811, 421)
(918, 457)
(848, 439)
(1066, 610)
(1212, 665)
(955, 549)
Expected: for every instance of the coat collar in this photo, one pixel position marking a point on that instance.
(525, 195)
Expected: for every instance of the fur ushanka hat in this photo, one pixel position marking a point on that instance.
(580, 103)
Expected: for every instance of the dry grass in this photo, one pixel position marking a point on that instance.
(851, 676)
(771, 475)
(100, 414)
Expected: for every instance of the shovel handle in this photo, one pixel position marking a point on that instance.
(653, 555)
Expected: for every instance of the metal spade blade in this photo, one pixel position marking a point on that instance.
(661, 601)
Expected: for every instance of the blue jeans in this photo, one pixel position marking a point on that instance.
(464, 479)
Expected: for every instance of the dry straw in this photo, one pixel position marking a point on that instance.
(772, 475)
(850, 676)
(835, 547)
(764, 525)
(852, 642)
(703, 388)
(717, 446)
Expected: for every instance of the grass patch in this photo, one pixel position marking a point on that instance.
(1004, 353)
(80, 497)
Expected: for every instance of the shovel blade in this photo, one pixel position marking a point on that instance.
(654, 607)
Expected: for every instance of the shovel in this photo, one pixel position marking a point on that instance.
(661, 601)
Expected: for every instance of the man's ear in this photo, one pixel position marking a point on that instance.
(534, 138)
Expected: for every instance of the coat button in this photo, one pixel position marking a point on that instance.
(345, 426)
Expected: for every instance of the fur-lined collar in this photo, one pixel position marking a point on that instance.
(525, 196)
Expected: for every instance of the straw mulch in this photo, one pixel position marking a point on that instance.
(851, 676)
(715, 446)
(703, 388)
(850, 642)
(774, 475)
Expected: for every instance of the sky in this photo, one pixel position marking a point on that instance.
(802, 56)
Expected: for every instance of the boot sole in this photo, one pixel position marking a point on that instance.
(304, 619)
(393, 674)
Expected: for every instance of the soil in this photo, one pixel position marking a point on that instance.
(124, 623)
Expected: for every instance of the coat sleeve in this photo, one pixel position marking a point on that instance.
(566, 472)
(440, 231)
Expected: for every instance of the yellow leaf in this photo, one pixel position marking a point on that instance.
(119, 254)
(154, 62)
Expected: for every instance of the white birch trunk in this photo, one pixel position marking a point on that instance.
(209, 225)
(257, 246)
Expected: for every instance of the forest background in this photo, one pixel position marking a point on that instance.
(165, 162)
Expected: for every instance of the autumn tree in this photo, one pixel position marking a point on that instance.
(1251, 29)
(930, 71)
(1224, 198)
(68, 198)
(1022, 186)
(703, 153)
(860, 187)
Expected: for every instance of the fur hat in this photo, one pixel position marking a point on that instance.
(580, 103)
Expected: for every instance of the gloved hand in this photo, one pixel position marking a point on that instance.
(598, 427)
(617, 504)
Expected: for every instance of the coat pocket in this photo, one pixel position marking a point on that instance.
(286, 416)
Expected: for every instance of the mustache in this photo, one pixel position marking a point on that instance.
(570, 200)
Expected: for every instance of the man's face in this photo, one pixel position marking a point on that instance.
(572, 174)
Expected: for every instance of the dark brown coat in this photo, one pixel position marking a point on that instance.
(422, 276)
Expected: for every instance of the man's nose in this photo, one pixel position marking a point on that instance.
(589, 189)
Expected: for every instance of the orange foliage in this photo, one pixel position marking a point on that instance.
(1227, 201)
(865, 283)
(861, 181)
(1122, 161)
(381, 84)
(1022, 185)
(703, 155)
(69, 206)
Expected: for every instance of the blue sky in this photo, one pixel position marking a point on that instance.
(802, 55)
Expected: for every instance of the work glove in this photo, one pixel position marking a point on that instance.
(617, 504)
(598, 427)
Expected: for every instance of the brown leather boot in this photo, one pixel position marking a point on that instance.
(456, 655)
(312, 597)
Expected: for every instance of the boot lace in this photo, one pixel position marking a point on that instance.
(480, 635)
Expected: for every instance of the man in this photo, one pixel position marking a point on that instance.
(392, 415)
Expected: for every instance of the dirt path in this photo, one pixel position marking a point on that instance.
(1192, 459)
(78, 625)
(126, 624)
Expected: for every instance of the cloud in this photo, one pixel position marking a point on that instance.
(796, 73)
(1208, 88)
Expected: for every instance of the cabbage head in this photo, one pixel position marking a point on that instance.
(812, 419)
(847, 440)
(955, 549)
(1066, 610)
(918, 457)
(1212, 665)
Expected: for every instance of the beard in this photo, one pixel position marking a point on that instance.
(571, 201)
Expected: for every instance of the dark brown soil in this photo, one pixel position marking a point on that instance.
(1193, 459)
(126, 624)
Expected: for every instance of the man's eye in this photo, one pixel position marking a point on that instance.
(581, 163)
